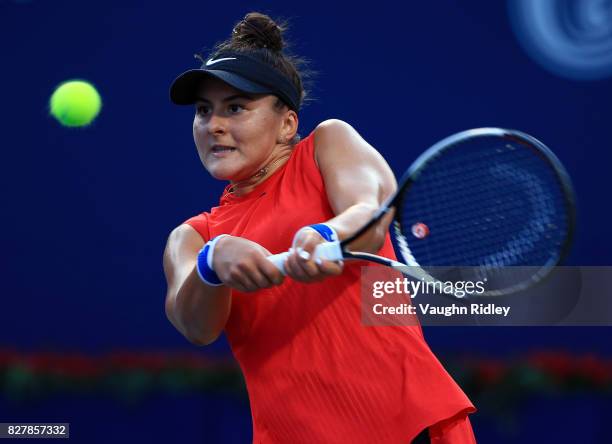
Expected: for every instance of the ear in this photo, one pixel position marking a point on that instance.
(289, 126)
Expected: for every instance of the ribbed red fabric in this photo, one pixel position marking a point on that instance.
(314, 373)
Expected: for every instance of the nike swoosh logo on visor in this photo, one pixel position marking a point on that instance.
(212, 62)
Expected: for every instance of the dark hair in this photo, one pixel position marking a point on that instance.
(257, 35)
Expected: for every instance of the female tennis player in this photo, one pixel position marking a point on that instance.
(314, 373)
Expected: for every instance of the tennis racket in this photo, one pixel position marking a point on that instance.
(495, 204)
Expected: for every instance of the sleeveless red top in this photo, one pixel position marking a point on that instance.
(314, 373)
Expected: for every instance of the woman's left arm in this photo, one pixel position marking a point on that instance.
(357, 181)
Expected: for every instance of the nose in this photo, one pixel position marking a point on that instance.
(216, 125)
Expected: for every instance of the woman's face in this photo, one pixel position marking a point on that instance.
(236, 133)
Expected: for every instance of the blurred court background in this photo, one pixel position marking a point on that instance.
(86, 212)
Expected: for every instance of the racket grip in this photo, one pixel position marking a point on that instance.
(329, 251)
(279, 260)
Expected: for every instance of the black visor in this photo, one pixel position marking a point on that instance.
(244, 73)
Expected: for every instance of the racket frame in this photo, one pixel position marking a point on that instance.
(411, 176)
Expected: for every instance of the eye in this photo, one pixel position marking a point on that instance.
(202, 110)
(235, 108)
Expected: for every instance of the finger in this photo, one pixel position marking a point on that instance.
(306, 263)
(245, 284)
(238, 284)
(292, 269)
(310, 243)
(261, 279)
(254, 269)
(260, 272)
(295, 268)
(307, 240)
(329, 267)
(246, 277)
(271, 273)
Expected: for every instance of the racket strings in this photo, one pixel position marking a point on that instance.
(486, 205)
(499, 244)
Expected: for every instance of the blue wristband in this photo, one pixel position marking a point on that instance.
(326, 232)
(204, 264)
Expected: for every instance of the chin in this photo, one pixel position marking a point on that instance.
(221, 173)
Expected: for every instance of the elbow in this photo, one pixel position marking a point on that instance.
(378, 240)
(202, 340)
(198, 338)
(379, 235)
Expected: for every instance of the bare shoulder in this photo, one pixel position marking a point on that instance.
(332, 130)
(183, 239)
(337, 141)
(332, 125)
(180, 255)
(184, 233)
(335, 138)
(349, 164)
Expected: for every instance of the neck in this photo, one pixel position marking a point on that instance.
(244, 186)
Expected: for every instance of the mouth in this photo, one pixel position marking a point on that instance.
(222, 149)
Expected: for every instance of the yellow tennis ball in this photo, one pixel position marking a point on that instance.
(75, 103)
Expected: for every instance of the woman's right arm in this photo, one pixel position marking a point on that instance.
(197, 310)
(200, 311)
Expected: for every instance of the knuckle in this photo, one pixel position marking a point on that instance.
(243, 266)
(276, 277)
(263, 283)
(253, 254)
(299, 276)
(312, 269)
(234, 273)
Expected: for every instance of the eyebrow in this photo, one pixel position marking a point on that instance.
(228, 99)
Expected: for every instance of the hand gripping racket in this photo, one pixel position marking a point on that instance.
(489, 199)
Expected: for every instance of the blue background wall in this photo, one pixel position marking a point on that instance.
(86, 212)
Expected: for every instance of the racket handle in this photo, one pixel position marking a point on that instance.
(279, 260)
(329, 251)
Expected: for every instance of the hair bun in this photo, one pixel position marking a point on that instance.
(258, 30)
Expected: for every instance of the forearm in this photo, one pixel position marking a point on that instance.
(199, 311)
(355, 217)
